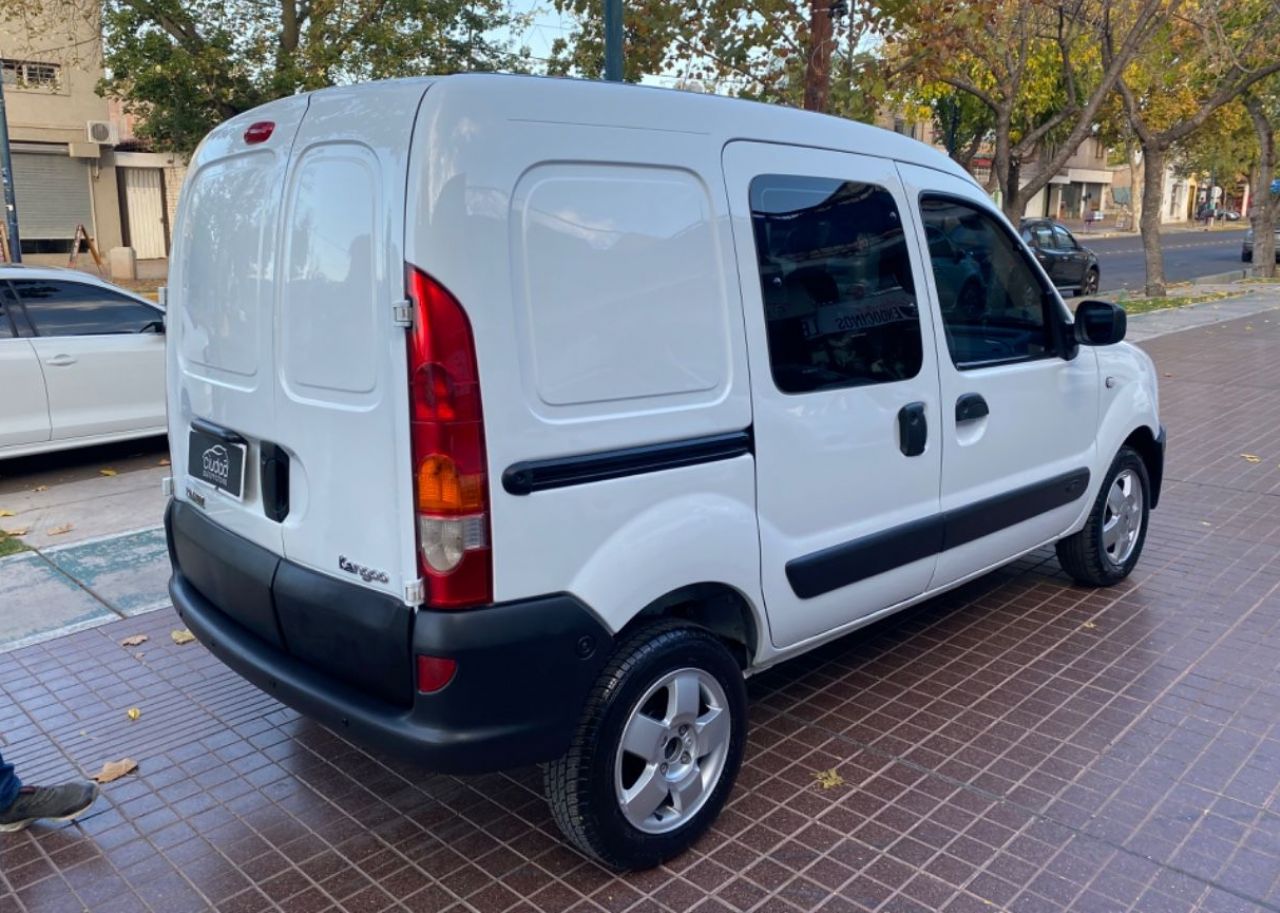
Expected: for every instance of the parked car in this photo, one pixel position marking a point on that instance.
(1072, 267)
(518, 420)
(81, 362)
(1246, 248)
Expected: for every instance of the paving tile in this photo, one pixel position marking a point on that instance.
(36, 598)
(130, 572)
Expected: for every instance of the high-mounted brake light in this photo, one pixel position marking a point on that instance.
(259, 132)
(449, 469)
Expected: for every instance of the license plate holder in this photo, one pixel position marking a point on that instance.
(217, 460)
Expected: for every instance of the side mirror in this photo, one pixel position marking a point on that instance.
(1100, 323)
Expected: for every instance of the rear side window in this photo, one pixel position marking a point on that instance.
(994, 309)
(835, 276)
(58, 308)
(6, 320)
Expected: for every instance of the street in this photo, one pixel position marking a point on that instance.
(1187, 255)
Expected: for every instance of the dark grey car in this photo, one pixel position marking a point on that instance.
(1072, 268)
(1246, 250)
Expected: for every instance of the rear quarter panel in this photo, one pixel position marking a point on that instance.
(596, 265)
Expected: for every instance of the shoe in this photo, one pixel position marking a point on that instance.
(47, 803)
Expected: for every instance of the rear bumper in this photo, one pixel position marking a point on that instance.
(524, 668)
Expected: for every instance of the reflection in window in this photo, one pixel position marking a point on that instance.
(76, 309)
(839, 300)
(993, 305)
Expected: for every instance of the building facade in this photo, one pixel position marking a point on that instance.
(73, 158)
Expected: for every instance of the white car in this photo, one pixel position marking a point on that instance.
(81, 362)
(518, 420)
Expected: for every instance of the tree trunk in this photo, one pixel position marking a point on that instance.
(817, 69)
(1136, 186)
(1002, 161)
(1264, 203)
(1152, 185)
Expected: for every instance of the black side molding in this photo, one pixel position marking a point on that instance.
(841, 565)
(538, 475)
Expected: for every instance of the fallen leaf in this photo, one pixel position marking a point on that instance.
(134, 714)
(1089, 625)
(1250, 458)
(182, 637)
(114, 770)
(41, 488)
(59, 530)
(1205, 523)
(6, 513)
(134, 640)
(828, 779)
(164, 461)
(20, 531)
(108, 472)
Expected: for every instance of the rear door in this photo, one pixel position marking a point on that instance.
(290, 266)
(844, 385)
(102, 354)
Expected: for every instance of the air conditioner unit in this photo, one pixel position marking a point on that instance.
(103, 132)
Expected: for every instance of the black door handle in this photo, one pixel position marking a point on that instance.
(913, 430)
(274, 464)
(971, 406)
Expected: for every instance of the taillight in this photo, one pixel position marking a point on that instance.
(259, 132)
(449, 470)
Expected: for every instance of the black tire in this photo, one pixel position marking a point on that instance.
(1091, 279)
(580, 786)
(1083, 555)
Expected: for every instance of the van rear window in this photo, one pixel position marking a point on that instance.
(835, 276)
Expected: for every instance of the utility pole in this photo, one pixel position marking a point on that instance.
(817, 70)
(613, 40)
(6, 177)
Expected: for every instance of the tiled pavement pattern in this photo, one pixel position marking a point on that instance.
(1020, 744)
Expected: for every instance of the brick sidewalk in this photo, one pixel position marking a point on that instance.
(1019, 744)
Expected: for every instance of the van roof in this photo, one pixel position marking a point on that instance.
(581, 101)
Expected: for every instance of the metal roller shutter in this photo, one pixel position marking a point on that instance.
(53, 192)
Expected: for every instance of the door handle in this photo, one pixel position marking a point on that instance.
(60, 360)
(913, 430)
(971, 406)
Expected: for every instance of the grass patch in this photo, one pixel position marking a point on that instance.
(10, 545)
(1143, 305)
(1257, 280)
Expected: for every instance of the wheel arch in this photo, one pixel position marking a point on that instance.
(720, 608)
(1144, 442)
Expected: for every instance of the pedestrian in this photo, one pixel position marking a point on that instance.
(21, 805)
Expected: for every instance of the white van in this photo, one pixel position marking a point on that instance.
(517, 420)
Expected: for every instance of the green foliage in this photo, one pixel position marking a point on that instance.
(185, 65)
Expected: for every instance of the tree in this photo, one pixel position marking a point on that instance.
(765, 50)
(1204, 58)
(961, 123)
(1033, 64)
(1263, 106)
(183, 66)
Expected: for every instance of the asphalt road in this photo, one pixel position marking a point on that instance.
(1187, 255)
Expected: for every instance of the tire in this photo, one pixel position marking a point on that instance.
(586, 787)
(1090, 286)
(1097, 556)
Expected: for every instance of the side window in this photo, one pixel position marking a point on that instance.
(1063, 238)
(6, 309)
(1044, 239)
(835, 275)
(994, 308)
(57, 308)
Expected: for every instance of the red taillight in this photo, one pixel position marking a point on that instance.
(434, 672)
(450, 480)
(259, 132)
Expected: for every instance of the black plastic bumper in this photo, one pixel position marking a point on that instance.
(524, 668)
